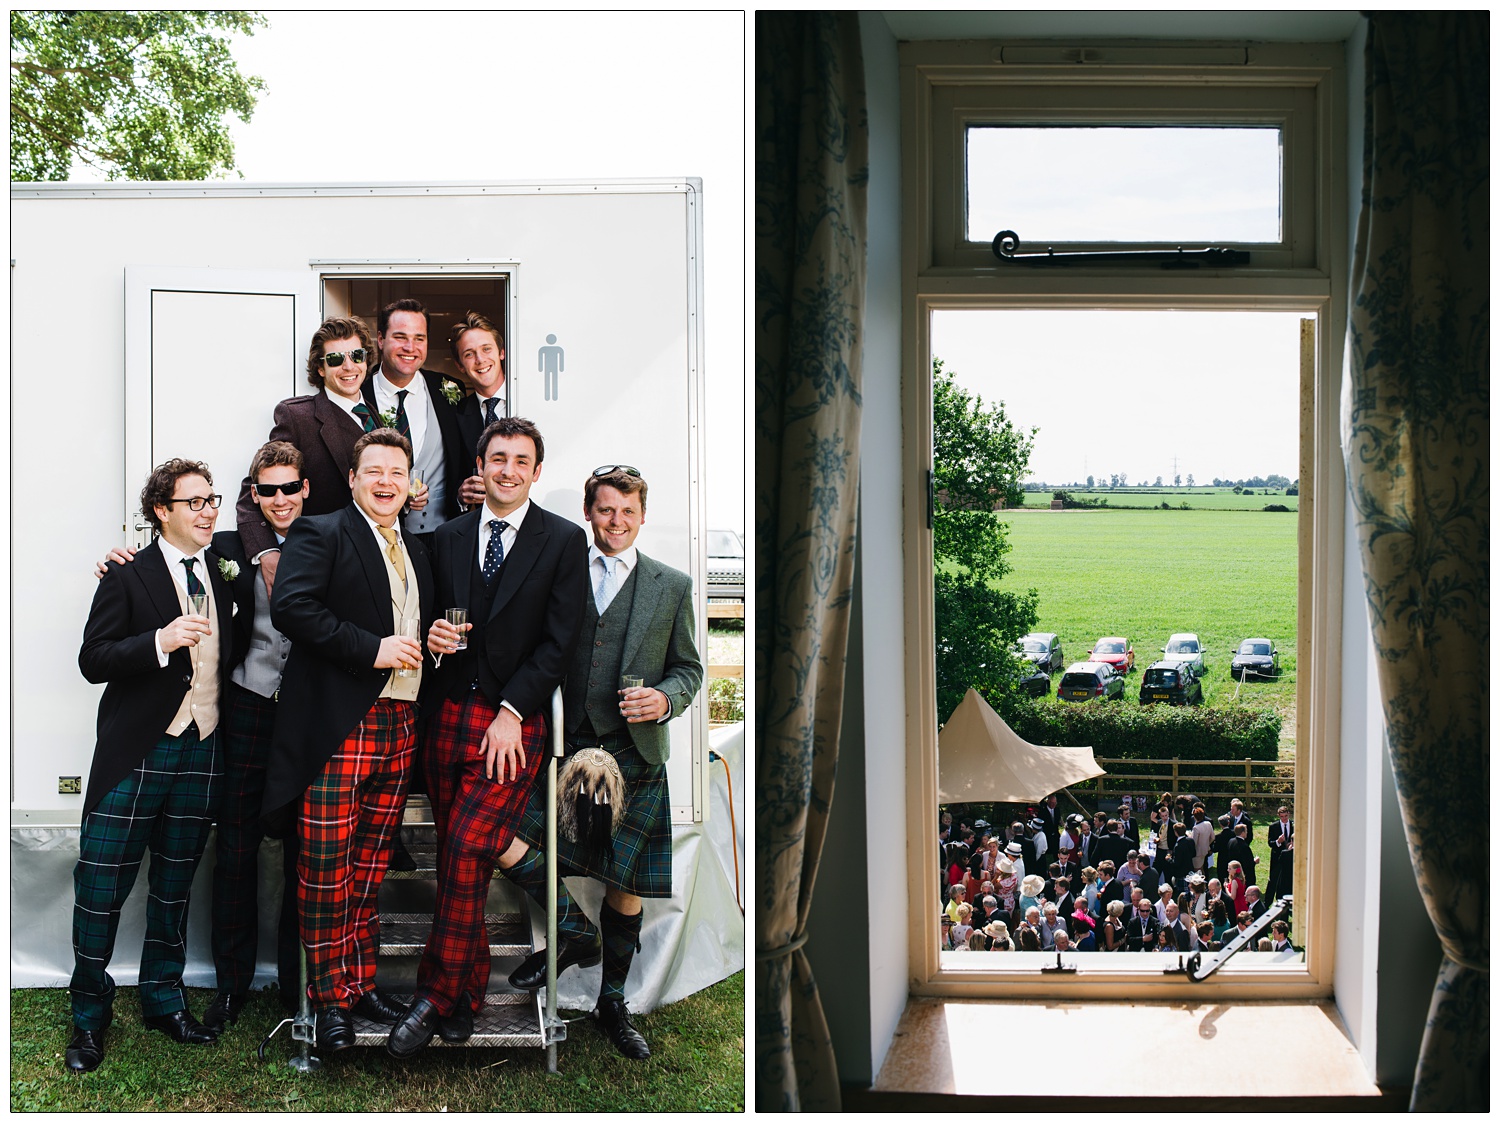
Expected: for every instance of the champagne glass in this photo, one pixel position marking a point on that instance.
(411, 628)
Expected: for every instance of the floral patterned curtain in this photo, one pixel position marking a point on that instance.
(810, 178)
(1417, 449)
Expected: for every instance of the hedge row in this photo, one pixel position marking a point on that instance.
(1159, 732)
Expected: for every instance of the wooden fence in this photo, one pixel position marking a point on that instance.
(1208, 779)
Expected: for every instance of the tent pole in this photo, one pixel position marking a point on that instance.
(1076, 804)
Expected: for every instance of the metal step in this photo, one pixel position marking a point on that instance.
(508, 1020)
(406, 933)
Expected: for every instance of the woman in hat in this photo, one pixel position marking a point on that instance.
(998, 934)
(1031, 893)
(1007, 887)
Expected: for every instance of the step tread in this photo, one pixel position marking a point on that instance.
(506, 1019)
(406, 933)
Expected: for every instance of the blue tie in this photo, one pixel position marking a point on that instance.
(489, 411)
(494, 553)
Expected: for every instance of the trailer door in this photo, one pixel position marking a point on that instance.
(208, 354)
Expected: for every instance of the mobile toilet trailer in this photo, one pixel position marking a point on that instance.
(160, 320)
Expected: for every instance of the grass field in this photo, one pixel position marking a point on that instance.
(697, 1063)
(1145, 574)
(1197, 498)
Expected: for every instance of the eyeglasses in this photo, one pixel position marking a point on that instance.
(197, 501)
(611, 469)
(291, 487)
(336, 358)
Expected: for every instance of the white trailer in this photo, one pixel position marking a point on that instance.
(160, 320)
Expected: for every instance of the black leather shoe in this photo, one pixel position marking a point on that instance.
(183, 1028)
(376, 1007)
(415, 1030)
(224, 1010)
(335, 1028)
(614, 1020)
(458, 1026)
(533, 970)
(86, 1050)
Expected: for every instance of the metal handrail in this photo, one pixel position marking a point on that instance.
(552, 1029)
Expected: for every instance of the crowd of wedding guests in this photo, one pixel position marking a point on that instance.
(1048, 882)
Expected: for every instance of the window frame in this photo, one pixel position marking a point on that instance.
(940, 274)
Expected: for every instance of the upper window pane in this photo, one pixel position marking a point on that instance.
(1138, 184)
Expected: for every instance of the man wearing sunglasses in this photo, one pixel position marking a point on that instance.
(637, 623)
(160, 636)
(422, 414)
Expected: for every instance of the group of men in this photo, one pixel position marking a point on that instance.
(279, 679)
(1083, 882)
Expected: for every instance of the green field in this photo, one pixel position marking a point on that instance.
(1226, 575)
(1197, 498)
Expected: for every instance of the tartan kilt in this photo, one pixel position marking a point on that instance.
(643, 841)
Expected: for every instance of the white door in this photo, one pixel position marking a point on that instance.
(208, 354)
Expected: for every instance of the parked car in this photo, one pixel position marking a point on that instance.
(1044, 649)
(1170, 681)
(1184, 647)
(1085, 681)
(726, 566)
(1116, 651)
(1256, 657)
(1038, 684)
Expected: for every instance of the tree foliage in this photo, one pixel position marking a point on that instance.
(978, 457)
(135, 95)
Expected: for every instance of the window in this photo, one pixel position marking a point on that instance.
(959, 98)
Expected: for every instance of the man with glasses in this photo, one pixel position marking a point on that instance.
(160, 636)
(518, 572)
(352, 596)
(420, 409)
(637, 623)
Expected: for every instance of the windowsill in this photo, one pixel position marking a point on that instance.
(948, 1047)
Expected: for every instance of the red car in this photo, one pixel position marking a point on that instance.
(1116, 651)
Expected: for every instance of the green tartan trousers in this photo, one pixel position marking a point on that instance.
(166, 805)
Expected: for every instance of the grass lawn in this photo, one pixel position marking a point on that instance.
(1145, 574)
(1197, 498)
(697, 1064)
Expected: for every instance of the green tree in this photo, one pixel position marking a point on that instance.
(978, 457)
(135, 95)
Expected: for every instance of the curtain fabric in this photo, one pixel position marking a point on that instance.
(1417, 442)
(810, 178)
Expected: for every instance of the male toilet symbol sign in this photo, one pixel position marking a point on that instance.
(549, 360)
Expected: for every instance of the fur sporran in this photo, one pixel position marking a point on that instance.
(591, 802)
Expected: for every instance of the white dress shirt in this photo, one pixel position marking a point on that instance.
(416, 405)
(178, 571)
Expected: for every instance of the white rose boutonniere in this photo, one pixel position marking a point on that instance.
(452, 391)
(228, 569)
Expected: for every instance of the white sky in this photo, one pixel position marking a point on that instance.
(1128, 391)
(555, 96)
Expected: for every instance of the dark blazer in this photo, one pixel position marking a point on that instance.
(1140, 934)
(1131, 832)
(537, 610)
(228, 545)
(660, 647)
(119, 649)
(325, 434)
(333, 601)
(1238, 850)
(458, 460)
(470, 425)
(1114, 848)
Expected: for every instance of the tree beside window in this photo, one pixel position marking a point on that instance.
(978, 459)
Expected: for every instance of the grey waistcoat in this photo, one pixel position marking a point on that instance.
(594, 677)
(429, 469)
(260, 673)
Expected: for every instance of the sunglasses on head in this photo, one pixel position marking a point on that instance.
(291, 487)
(336, 358)
(611, 469)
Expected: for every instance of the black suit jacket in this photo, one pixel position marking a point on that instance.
(119, 649)
(1114, 848)
(1140, 934)
(470, 425)
(537, 610)
(228, 545)
(325, 434)
(333, 601)
(458, 459)
(1238, 850)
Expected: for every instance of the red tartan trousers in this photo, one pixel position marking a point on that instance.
(349, 815)
(476, 819)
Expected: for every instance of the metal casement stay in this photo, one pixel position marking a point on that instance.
(1008, 242)
(1193, 966)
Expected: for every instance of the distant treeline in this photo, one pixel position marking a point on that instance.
(1116, 481)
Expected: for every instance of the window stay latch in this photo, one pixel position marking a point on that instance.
(1194, 967)
(1007, 242)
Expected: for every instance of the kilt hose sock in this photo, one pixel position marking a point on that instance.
(530, 873)
(622, 939)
